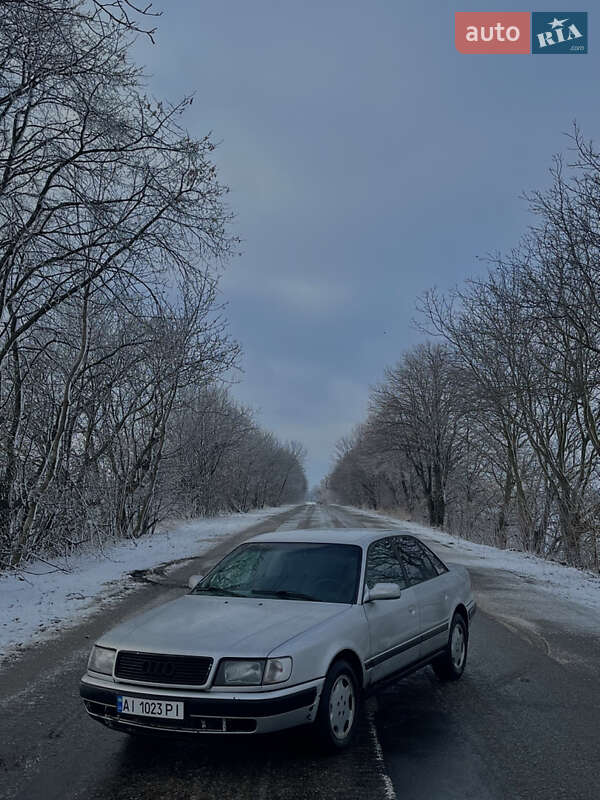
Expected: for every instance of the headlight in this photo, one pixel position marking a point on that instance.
(277, 670)
(237, 672)
(102, 659)
(240, 673)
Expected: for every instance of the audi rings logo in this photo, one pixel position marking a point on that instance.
(158, 669)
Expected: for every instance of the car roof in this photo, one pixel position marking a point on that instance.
(359, 536)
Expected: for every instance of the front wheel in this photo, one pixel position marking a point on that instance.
(338, 708)
(451, 665)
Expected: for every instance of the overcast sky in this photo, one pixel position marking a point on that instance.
(368, 161)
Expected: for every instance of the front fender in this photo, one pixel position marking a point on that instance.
(313, 651)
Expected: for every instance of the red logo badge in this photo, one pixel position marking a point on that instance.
(490, 32)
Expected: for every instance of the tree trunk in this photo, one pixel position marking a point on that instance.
(500, 532)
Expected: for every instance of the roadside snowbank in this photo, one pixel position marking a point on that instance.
(41, 601)
(567, 583)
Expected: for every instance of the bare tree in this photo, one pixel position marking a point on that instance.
(113, 231)
(505, 437)
(418, 406)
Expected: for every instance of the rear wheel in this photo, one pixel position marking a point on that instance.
(338, 708)
(451, 665)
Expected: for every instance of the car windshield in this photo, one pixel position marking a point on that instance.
(324, 573)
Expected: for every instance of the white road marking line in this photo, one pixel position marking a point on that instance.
(388, 786)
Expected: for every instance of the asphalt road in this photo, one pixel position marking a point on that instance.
(523, 723)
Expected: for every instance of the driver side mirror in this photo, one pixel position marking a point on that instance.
(382, 591)
(194, 580)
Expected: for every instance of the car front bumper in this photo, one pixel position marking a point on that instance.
(204, 712)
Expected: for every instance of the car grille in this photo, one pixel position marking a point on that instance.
(166, 669)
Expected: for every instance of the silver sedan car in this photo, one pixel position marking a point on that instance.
(288, 629)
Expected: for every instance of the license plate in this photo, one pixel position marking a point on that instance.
(149, 708)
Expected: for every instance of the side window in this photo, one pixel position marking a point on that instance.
(383, 564)
(416, 561)
(438, 564)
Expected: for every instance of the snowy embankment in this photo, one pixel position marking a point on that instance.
(41, 599)
(558, 582)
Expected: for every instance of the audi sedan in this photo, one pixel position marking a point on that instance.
(287, 630)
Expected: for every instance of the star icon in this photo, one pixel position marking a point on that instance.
(557, 23)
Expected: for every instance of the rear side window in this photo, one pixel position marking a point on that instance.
(439, 565)
(416, 561)
(383, 563)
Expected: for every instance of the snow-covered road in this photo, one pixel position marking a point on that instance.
(521, 724)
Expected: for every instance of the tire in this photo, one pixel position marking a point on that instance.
(451, 665)
(337, 717)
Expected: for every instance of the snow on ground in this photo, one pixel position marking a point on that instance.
(577, 589)
(42, 600)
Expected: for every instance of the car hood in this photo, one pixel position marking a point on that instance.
(217, 626)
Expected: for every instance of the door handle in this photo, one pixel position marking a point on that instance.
(412, 609)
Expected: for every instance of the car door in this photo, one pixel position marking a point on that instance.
(393, 623)
(428, 578)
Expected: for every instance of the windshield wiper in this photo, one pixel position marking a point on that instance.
(218, 591)
(283, 594)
